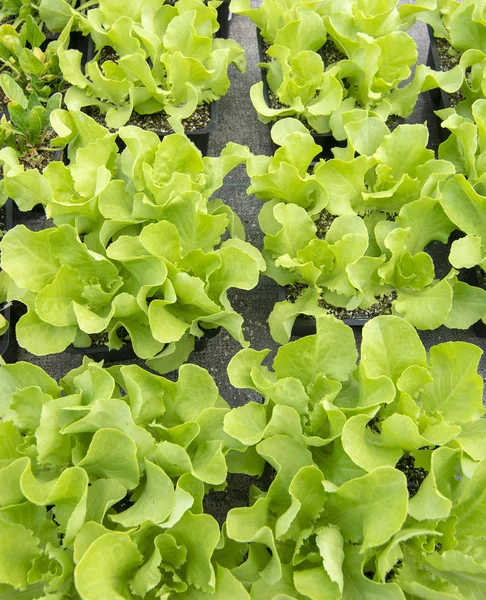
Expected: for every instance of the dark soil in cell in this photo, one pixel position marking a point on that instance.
(323, 223)
(331, 54)
(158, 121)
(3, 100)
(449, 57)
(123, 504)
(381, 307)
(107, 53)
(99, 339)
(415, 475)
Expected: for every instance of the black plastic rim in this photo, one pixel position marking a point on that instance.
(307, 325)
(478, 280)
(126, 352)
(8, 346)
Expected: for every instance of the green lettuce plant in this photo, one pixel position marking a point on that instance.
(379, 469)
(56, 14)
(378, 57)
(103, 477)
(461, 26)
(17, 11)
(29, 68)
(27, 129)
(152, 263)
(170, 62)
(463, 197)
(355, 229)
(299, 16)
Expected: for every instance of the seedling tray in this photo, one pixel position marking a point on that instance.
(126, 352)
(223, 19)
(326, 140)
(439, 98)
(307, 325)
(8, 346)
(478, 280)
(199, 137)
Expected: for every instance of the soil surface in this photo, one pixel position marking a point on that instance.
(381, 307)
(449, 58)
(331, 54)
(415, 475)
(107, 53)
(158, 121)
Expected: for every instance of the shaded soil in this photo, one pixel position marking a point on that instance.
(158, 121)
(99, 340)
(381, 307)
(331, 54)
(107, 53)
(415, 475)
(3, 101)
(449, 58)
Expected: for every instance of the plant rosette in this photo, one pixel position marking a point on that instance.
(103, 477)
(378, 58)
(151, 260)
(26, 134)
(355, 229)
(463, 197)
(379, 468)
(27, 69)
(460, 33)
(170, 69)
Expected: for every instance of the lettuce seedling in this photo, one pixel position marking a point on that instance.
(27, 130)
(16, 12)
(32, 69)
(463, 197)
(170, 63)
(103, 478)
(378, 57)
(152, 260)
(378, 468)
(356, 228)
(460, 27)
(272, 17)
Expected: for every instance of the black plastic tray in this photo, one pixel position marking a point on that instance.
(223, 19)
(438, 97)
(477, 279)
(304, 325)
(8, 345)
(199, 137)
(326, 140)
(126, 352)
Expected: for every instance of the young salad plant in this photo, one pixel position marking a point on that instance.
(137, 252)
(29, 68)
(379, 469)
(25, 134)
(460, 29)
(16, 12)
(370, 56)
(103, 477)
(355, 229)
(169, 63)
(464, 195)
